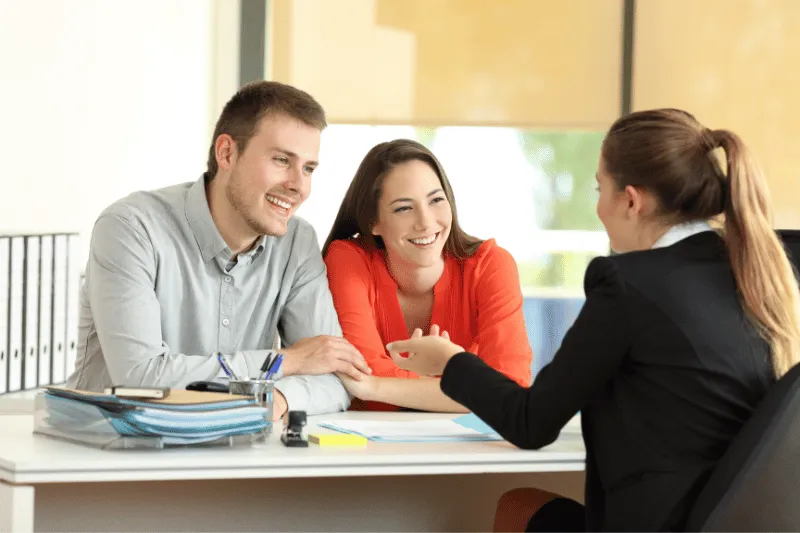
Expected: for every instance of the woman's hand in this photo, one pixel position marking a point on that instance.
(426, 356)
(364, 389)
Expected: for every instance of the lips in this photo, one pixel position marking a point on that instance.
(279, 202)
(425, 240)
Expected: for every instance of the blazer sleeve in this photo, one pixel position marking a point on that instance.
(502, 335)
(350, 278)
(591, 353)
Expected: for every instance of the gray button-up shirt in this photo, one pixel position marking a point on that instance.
(161, 295)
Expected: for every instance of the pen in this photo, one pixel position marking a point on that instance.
(266, 365)
(223, 362)
(275, 366)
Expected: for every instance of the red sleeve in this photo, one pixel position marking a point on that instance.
(502, 336)
(350, 279)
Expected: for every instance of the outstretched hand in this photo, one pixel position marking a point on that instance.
(424, 355)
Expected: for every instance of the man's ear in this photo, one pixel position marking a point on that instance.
(226, 151)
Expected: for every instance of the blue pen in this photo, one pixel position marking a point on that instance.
(225, 367)
(275, 366)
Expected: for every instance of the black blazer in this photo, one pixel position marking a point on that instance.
(665, 369)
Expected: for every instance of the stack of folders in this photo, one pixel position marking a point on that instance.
(182, 418)
(39, 288)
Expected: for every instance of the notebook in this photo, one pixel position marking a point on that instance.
(178, 399)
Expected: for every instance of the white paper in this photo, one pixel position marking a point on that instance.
(434, 429)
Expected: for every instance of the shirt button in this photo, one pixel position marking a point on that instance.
(227, 279)
(225, 322)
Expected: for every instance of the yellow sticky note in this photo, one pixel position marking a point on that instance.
(337, 439)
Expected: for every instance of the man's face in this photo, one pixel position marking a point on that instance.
(272, 176)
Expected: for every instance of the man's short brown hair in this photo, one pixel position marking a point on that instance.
(254, 101)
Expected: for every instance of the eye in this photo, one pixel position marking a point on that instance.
(281, 160)
(402, 208)
(309, 169)
(438, 199)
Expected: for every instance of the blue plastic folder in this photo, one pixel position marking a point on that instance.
(174, 423)
(463, 428)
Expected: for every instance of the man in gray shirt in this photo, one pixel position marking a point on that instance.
(221, 265)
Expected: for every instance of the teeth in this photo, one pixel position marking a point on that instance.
(425, 240)
(279, 202)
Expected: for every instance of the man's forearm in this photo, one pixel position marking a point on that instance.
(164, 368)
(314, 394)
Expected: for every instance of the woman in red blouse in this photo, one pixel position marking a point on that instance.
(397, 260)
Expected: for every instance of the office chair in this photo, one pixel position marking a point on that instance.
(791, 241)
(756, 484)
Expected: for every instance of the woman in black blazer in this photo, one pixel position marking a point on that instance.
(682, 332)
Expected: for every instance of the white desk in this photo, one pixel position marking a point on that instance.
(51, 485)
(18, 403)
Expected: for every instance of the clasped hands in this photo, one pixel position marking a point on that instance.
(426, 355)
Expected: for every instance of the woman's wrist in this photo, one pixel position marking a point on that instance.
(374, 393)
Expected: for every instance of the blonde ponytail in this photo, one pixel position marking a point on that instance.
(764, 276)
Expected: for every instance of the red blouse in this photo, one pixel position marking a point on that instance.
(477, 300)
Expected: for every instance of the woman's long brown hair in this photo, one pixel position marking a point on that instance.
(670, 154)
(359, 210)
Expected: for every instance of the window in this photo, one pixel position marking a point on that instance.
(533, 191)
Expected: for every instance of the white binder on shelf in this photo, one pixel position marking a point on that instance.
(73, 307)
(45, 311)
(58, 344)
(30, 321)
(15, 319)
(5, 274)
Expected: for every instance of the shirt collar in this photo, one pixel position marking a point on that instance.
(678, 232)
(198, 214)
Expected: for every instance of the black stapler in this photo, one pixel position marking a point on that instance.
(207, 386)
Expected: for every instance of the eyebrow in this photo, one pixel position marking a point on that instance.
(289, 153)
(435, 191)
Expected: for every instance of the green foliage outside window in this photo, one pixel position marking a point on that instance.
(569, 160)
(566, 199)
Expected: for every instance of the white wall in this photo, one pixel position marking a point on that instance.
(99, 98)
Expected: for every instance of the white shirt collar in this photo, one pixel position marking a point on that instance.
(678, 232)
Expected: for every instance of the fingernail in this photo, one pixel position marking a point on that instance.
(389, 346)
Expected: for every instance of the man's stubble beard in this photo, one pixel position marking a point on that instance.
(238, 198)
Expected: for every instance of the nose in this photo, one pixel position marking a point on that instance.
(424, 219)
(297, 181)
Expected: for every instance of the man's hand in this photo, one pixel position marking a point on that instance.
(324, 355)
(279, 405)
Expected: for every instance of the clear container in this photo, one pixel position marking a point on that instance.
(263, 390)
